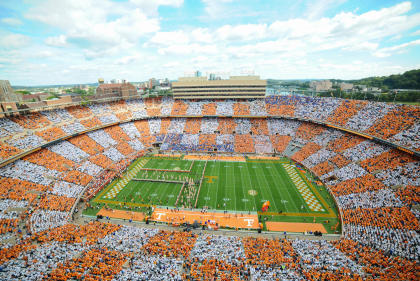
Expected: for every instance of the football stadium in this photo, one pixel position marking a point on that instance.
(268, 186)
(274, 188)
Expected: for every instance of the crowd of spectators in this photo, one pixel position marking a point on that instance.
(375, 186)
(394, 122)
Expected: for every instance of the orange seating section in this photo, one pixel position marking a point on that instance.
(209, 109)
(51, 134)
(86, 144)
(280, 110)
(400, 218)
(56, 203)
(345, 111)
(125, 148)
(171, 244)
(51, 160)
(164, 125)
(308, 130)
(79, 112)
(376, 264)
(32, 121)
(153, 106)
(240, 108)
(117, 134)
(259, 126)
(101, 160)
(244, 144)
(340, 161)
(344, 142)
(409, 194)
(387, 160)
(280, 143)
(192, 126)
(322, 168)
(7, 151)
(95, 264)
(142, 126)
(306, 151)
(207, 141)
(123, 116)
(91, 122)
(357, 185)
(395, 121)
(77, 177)
(179, 108)
(18, 190)
(226, 126)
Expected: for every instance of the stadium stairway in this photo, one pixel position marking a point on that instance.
(291, 149)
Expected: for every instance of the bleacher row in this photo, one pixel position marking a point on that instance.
(102, 251)
(45, 184)
(393, 122)
(376, 187)
(362, 175)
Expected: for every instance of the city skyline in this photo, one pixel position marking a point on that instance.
(75, 42)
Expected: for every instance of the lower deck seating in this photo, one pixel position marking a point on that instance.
(377, 193)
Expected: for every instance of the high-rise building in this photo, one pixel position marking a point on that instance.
(124, 90)
(152, 83)
(321, 86)
(197, 73)
(346, 86)
(247, 87)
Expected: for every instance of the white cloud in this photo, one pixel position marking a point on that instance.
(415, 33)
(151, 6)
(98, 22)
(106, 38)
(14, 40)
(128, 59)
(385, 52)
(170, 38)
(243, 32)
(44, 54)
(345, 31)
(202, 35)
(188, 49)
(316, 9)
(215, 8)
(11, 21)
(57, 41)
(362, 46)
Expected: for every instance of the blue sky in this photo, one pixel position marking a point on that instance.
(78, 41)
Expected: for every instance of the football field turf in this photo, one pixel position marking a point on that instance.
(233, 186)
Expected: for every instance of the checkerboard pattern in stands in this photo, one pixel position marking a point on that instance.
(111, 194)
(303, 189)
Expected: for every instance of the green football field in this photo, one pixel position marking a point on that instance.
(233, 186)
